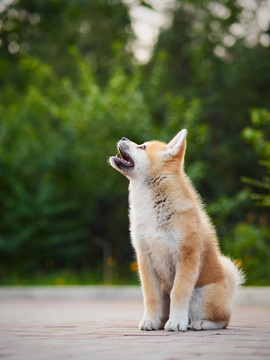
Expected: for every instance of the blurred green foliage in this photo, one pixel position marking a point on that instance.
(259, 137)
(58, 191)
(70, 89)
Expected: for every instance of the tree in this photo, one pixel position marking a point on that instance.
(202, 57)
(57, 192)
(49, 30)
(259, 137)
(66, 100)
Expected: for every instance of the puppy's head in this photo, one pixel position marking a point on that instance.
(154, 156)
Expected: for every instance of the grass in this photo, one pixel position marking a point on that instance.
(70, 277)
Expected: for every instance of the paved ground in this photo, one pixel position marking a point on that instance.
(107, 329)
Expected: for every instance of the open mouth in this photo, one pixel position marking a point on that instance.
(124, 160)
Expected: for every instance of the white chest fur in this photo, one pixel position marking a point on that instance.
(151, 233)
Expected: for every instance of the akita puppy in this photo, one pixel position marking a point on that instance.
(184, 277)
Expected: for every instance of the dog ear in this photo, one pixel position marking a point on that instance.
(177, 146)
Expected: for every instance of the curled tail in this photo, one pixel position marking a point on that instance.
(235, 275)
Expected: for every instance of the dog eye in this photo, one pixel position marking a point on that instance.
(143, 147)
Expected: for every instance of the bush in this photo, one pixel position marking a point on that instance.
(57, 192)
(259, 137)
(249, 244)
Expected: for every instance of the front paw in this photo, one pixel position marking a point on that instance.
(175, 324)
(149, 324)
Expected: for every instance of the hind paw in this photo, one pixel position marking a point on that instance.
(207, 325)
(196, 325)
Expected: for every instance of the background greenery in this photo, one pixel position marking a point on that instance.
(70, 88)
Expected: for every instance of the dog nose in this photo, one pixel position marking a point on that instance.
(124, 139)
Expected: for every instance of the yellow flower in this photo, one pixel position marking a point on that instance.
(134, 266)
(238, 262)
(59, 281)
(111, 261)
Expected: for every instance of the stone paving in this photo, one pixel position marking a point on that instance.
(108, 329)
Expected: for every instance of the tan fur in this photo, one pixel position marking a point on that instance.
(183, 274)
